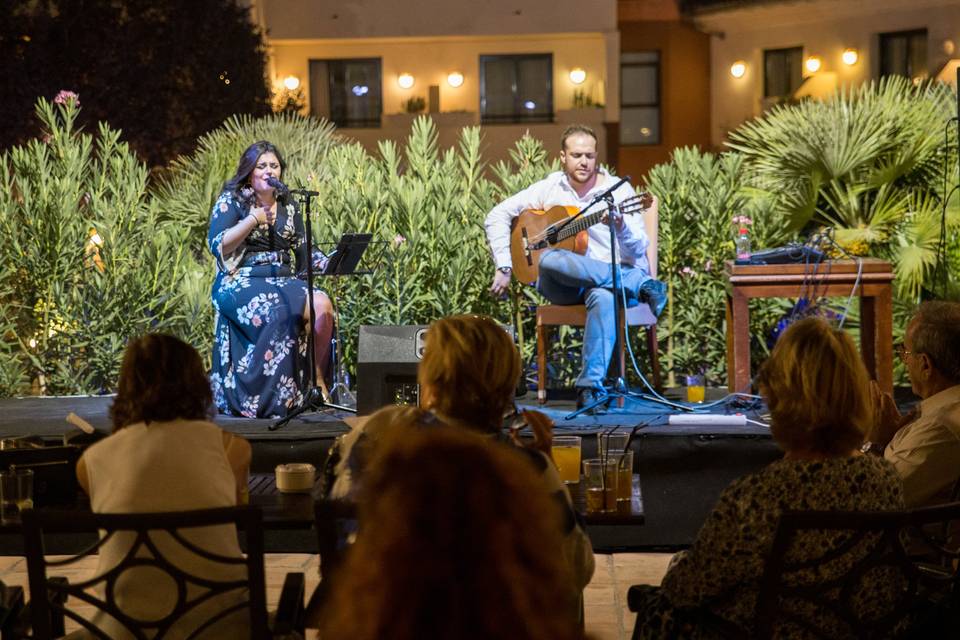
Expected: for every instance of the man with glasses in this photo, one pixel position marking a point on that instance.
(924, 445)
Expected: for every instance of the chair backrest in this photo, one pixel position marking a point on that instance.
(894, 552)
(336, 525)
(150, 539)
(651, 224)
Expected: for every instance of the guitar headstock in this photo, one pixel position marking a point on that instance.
(637, 204)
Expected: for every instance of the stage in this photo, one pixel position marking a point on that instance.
(682, 469)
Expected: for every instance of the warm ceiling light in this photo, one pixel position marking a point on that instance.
(291, 82)
(578, 75)
(850, 57)
(405, 80)
(738, 69)
(813, 64)
(455, 79)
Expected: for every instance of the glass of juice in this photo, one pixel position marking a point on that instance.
(601, 475)
(696, 388)
(565, 452)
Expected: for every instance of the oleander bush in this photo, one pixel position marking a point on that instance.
(97, 250)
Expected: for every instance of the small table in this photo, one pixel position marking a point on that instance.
(833, 278)
(295, 510)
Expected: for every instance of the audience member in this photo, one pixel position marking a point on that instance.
(467, 378)
(924, 445)
(165, 455)
(816, 388)
(455, 541)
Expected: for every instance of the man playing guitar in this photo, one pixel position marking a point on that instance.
(565, 277)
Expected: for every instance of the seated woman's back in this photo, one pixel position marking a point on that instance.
(164, 456)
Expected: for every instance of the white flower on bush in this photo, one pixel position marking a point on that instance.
(65, 97)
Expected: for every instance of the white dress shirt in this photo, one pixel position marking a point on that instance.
(926, 452)
(555, 190)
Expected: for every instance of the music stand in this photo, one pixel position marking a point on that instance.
(343, 261)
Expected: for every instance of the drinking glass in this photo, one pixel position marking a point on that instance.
(16, 494)
(696, 389)
(565, 452)
(601, 478)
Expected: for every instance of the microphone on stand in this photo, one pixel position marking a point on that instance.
(281, 190)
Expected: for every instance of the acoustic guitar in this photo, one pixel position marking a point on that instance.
(534, 231)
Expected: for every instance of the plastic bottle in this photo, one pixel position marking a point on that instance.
(743, 247)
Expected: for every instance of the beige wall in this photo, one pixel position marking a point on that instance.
(302, 19)
(823, 28)
(431, 59)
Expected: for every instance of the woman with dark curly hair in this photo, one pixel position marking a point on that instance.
(817, 390)
(456, 540)
(259, 357)
(165, 455)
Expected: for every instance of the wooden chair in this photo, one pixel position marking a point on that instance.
(576, 315)
(920, 568)
(53, 599)
(336, 523)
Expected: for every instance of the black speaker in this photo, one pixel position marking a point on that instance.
(387, 359)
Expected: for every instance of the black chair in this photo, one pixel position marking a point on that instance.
(336, 523)
(906, 545)
(52, 598)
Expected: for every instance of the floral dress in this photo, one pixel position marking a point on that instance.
(260, 366)
(722, 569)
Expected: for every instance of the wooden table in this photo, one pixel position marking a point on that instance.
(295, 510)
(835, 278)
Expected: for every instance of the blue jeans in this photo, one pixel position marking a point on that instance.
(569, 278)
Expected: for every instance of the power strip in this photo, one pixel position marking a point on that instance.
(717, 419)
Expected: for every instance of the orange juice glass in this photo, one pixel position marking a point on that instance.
(566, 455)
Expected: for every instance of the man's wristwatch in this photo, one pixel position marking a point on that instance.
(505, 270)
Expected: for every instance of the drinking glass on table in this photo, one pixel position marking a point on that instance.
(565, 452)
(16, 494)
(601, 475)
(696, 388)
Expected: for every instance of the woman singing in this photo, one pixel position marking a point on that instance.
(259, 357)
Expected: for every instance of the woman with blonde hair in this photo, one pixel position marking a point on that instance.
(467, 377)
(817, 390)
(455, 541)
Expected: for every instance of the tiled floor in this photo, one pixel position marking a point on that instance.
(607, 616)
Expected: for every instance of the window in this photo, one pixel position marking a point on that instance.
(347, 92)
(640, 98)
(516, 88)
(904, 53)
(782, 71)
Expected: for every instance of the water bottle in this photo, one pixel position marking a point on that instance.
(743, 247)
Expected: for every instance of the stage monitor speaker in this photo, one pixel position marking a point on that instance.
(387, 360)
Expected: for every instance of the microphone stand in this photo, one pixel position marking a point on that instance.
(313, 397)
(619, 389)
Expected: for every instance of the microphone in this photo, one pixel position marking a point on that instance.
(279, 187)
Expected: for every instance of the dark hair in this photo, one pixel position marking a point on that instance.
(247, 163)
(161, 378)
(936, 332)
(576, 130)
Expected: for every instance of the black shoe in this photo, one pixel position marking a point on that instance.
(587, 396)
(654, 293)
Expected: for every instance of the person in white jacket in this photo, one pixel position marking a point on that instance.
(569, 278)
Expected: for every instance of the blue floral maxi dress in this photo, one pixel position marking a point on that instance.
(260, 350)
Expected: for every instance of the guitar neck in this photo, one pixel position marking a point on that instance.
(582, 223)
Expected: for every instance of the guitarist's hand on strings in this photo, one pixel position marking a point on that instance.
(501, 283)
(617, 220)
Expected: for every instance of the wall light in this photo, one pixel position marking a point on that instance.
(291, 82)
(813, 64)
(405, 80)
(455, 79)
(850, 57)
(738, 69)
(577, 75)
